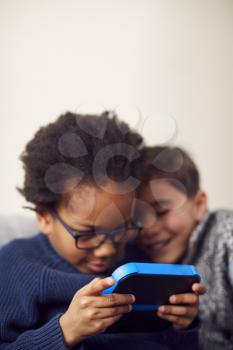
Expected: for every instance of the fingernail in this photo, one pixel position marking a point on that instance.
(110, 281)
(159, 314)
(161, 309)
(172, 299)
(133, 298)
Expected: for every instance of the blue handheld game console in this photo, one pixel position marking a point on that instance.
(152, 285)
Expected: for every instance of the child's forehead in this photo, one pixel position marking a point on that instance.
(162, 190)
(89, 204)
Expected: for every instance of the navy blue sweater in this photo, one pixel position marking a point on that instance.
(36, 287)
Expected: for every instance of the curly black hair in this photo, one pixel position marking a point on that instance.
(77, 149)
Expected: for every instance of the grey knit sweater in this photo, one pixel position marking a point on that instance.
(211, 251)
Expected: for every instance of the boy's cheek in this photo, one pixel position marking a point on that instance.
(180, 233)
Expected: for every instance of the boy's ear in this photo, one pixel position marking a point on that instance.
(45, 222)
(201, 204)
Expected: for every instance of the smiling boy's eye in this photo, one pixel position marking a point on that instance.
(161, 213)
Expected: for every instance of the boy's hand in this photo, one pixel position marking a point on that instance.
(186, 309)
(90, 312)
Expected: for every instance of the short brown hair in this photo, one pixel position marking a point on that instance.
(173, 164)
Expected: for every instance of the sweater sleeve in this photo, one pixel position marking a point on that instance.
(230, 259)
(48, 337)
(226, 239)
(19, 314)
(184, 338)
(231, 271)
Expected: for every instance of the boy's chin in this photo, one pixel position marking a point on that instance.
(169, 254)
(169, 258)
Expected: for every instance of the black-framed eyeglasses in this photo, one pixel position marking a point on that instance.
(95, 238)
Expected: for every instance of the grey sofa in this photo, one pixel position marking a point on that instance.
(16, 226)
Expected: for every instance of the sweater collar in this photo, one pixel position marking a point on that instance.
(54, 259)
(195, 237)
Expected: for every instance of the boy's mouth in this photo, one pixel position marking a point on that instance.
(158, 246)
(97, 267)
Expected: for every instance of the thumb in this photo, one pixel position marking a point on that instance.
(198, 288)
(96, 286)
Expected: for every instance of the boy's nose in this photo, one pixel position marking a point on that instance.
(105, 250)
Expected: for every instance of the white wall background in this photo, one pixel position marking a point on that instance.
(172, 59)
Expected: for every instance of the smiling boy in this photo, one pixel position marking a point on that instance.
(178, 228)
